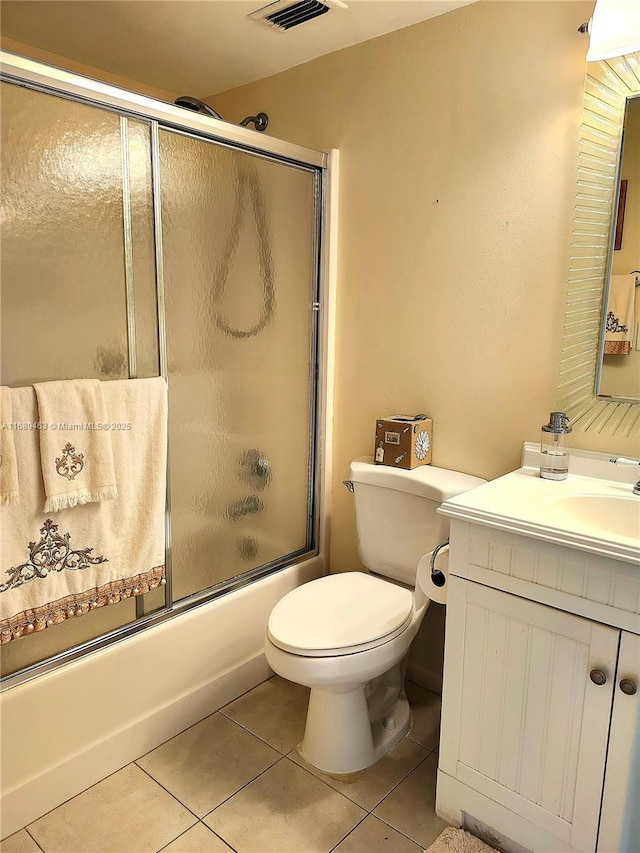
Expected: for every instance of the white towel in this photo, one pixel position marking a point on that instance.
(9, 491)
(75, 443)
(619, 324)
(98, 553)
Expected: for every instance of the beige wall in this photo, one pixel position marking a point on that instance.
(458, 142)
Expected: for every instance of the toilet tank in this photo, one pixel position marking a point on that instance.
(396, 516)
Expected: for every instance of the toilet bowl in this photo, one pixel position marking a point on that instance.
(347, 636)
(357, 707)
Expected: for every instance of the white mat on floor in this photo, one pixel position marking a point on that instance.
(453, 840)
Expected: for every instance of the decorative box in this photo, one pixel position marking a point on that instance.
(403, 441)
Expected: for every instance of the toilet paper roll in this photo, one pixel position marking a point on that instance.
(434, 590)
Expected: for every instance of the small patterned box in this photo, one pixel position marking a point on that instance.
(403, 441)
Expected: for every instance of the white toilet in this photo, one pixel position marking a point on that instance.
(346, 636)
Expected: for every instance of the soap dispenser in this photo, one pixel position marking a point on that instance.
(554, 461)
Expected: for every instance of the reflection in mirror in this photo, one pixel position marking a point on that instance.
(620, 342)
(608, 86)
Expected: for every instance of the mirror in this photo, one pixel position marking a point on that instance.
(619, 359)
(609, 85)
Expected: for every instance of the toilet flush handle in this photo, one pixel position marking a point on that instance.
(349, 485)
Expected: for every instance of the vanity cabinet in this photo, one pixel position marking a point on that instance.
(539, 742)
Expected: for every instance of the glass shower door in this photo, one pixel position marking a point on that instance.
(239, 257)
(78, 277)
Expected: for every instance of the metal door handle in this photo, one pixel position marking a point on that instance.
(628, 687)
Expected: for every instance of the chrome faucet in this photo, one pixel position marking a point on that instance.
(623, 460)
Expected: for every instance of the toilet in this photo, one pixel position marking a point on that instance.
(347, 636)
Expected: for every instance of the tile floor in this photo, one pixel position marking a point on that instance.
(235, 782)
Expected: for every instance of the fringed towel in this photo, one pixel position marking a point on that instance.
(9, 492)
(75, 444)
(97, 553)
(619, 326)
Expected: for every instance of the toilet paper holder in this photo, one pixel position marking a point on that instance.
(437, 577)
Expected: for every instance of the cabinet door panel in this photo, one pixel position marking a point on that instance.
(525, 724)
(620, 823)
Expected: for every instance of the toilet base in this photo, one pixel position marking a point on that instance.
(358, 709)
(340, 738)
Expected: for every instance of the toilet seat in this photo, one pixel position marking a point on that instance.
(339, 615)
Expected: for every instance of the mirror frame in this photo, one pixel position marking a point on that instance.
(608, 84)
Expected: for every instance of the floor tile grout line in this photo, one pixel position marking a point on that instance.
(217, 711)
(68, 800)
(255, 686)
(217, 835)
(406, 776)
(248, 730)
(39, 846)
(420, 743)
(395, 787)
(173, 796)
(390, 791)
(388, 822)
(231, 796)
(353, 829)
(401, 832)
(189, 828)
(330, 787)
(177, 837)
(177, 734)
(283, 758)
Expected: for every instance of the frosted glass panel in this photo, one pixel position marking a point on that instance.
(238, 256)
(143, 251)
(62, 210)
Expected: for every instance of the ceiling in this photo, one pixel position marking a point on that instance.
(198, 47)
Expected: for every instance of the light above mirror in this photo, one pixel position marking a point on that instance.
(614, 29)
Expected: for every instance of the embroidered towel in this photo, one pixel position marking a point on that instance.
(9, 492)
(619, 326)
(98, 553)
(75, 444)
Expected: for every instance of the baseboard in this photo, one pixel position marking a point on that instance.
(426, 678)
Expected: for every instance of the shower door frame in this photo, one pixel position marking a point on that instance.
(158, 115)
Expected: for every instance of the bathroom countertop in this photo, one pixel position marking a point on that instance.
(587, 513)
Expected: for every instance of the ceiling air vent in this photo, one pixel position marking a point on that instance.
(284, 15)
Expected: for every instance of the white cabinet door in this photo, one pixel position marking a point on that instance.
(620, 822)
(522, 721)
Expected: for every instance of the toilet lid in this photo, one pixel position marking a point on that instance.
(338, 611)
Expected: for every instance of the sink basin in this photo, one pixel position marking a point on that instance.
(594, 510)
(617, 515)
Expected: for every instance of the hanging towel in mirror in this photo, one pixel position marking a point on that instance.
(75, 444)
(57, 566)
(619, 321)
(9, 492)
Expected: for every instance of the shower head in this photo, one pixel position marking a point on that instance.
(196, 106)
(260, 121)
